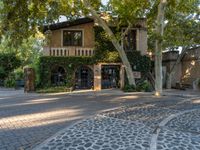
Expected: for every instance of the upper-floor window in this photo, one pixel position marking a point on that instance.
(129, 41)
(72, 38)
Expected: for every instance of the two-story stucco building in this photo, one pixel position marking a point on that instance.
(77, 39)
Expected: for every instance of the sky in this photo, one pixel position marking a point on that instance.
(104, 1)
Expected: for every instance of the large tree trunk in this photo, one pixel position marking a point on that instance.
(158, 47)
(115, 42)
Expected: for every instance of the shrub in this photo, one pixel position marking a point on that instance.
(129, 88)
(2, 71)
(19, 74)
(10, 81)
(55, 89)
(8, 62)
(144, 86)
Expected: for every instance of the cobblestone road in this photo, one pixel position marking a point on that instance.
(160, 125)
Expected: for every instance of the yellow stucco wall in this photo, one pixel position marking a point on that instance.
(88, 35)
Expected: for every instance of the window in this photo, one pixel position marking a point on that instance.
(129, 42)
(72, 38)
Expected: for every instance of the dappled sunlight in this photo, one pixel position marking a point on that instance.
(197, 101)
(130, 97)
(32, 102)
(40, 119)
(122, 99)
(73, 92)
(43, 100)
(190, 71)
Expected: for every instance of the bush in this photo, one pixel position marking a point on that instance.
(55, 89)
(144, 86)
(10, 81)
(8, 62)
(2, 72)
(19, 74)
(129, 88)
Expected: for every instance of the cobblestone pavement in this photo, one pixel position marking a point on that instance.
(160, 125)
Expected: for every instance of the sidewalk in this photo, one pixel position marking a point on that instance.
(6, 92)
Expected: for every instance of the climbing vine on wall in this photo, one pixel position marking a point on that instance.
(104, 49)
(106, 52)
(68, 63)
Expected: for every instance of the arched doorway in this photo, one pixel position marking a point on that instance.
(110, 76)
(58, 75)
(84, 78)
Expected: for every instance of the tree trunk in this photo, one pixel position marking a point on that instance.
(116, 44)
(158, 47)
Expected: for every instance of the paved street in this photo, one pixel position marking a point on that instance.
(26, 120)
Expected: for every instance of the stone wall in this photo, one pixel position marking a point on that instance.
(169, 59)
(191, 66)
(187, 71)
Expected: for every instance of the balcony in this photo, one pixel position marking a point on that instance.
(68, 51)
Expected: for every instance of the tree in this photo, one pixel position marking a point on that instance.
(8, 62)
(19, 19)
(34, 13)
(28, 51)
(181, 25)
(158, 46)
(114, 40)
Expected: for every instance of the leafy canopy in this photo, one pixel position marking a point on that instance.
(20, 18)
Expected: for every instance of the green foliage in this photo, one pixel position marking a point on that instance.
(68, 63)
(144, 86)
(2, 72)
(129, 88)
(139, 62)
(53, 89)
(28, 51)
(8, 62)
(106, 52)
(19, 74)
(104, 49)
(181, 24)
(10, 81)
(129, 10)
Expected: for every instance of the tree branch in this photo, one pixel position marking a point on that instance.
(126, 31)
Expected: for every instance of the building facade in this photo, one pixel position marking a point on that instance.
(77, 39)
(187, 71)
